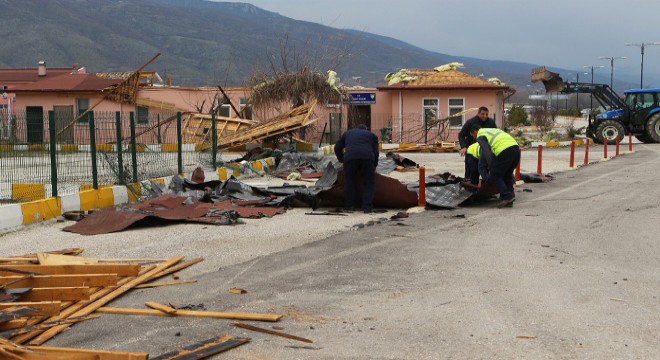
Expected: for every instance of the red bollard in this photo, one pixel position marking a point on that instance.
(572, 159)
(540, 161)
(586, 152)
(421, 201)
(629, 142)
(518, 168)
(604, 148)
(616, 152)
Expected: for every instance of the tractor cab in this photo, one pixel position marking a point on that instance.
(642, 104)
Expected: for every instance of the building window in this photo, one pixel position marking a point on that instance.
(225, 108)
(247, 114)
(142, 115)
(82, 104)
(456, 105)
(431, 111)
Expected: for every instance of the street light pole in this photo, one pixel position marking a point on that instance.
(591, 101)
(611, 59)
(641, 73)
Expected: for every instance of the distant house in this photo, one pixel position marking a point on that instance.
(426, 95)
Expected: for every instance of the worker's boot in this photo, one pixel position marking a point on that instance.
(506, 203)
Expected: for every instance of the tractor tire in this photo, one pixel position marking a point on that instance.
(653, 128)
(609, 130)
(645, 139)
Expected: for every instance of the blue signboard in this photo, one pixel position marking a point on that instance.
(362, 98)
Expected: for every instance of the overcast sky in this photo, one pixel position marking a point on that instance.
(563, 33)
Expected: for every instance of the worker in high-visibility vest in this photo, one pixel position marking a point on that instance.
(498, 159)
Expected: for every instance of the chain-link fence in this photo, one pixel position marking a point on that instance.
(97, 149)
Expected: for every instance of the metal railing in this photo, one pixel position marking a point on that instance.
(102, 148)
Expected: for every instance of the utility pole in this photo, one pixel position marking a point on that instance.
(611, 59)
(591, 101)
(641, 73)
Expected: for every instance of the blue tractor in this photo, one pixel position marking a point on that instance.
(638, 113)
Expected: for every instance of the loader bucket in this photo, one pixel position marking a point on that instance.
(551, 81)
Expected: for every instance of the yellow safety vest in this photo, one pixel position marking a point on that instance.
(498, 140)
(474, 150)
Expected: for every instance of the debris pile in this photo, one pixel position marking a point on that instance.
(44, 294)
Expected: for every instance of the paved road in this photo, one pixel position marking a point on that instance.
(571, 272)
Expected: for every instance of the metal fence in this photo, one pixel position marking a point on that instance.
(100, 148)
(411, 128)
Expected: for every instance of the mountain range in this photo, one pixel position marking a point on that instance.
(211, 43)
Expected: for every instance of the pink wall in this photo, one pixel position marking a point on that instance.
(384, 113)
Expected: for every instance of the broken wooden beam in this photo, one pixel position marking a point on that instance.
(44, 308)
(71, 353)
(193, 313)
(45, 325)
(57, 293)
(272, 332)
(203, 349)
(164, 283)
(41, 281)
(119, 269)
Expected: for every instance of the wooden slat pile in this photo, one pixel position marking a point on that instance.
(284, 123)
(438, 147)
(58, 289)
(197, 128)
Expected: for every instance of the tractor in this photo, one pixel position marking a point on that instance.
(638, 113)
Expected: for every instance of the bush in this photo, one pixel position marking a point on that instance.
(574, 112)
(517, 117)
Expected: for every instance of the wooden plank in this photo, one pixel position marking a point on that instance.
(164, 283)
(91, 307)
(68, 308)
(161, 307)
(15, 312)
(98, 354)
(45, 325)
(175, 268)
(56, 259)
(44, 281)
(119, 269)
(192, 313)
(272, 332)
(45, 308)
(57, 293)
(203, 349)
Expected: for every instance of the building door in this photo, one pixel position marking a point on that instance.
(359, 114)
(63, 117)
(35, 124)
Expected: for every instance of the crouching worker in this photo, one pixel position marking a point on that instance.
(358, 150)
(499, 157)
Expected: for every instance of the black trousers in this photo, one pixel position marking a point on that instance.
(354, 170)
(472, 166)
(501, 171)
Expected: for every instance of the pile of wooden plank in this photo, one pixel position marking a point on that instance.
(43, 294)
(197, 128)
(282, 124)
(438, 147)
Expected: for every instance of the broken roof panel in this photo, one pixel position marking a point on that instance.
(447, 79)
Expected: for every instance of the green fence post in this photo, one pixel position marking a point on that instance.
(92, 146)
(214, 141)
(120, 154)
(179, 143)
(160, 140)
(53, 149)
(133, 146)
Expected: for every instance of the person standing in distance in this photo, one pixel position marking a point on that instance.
(357, 149)
(465, 138)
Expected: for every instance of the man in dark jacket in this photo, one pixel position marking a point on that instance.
(465, 139)
(358, 150)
